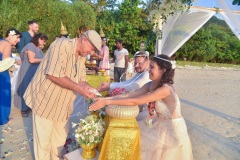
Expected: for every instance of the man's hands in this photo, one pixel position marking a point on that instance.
(105, 86)
(83, 88)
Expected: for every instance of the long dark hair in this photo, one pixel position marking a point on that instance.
(167, 76)
(37, 36)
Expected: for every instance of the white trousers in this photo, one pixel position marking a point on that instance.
(49, 138)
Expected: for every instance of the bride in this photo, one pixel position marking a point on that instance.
(163, 133)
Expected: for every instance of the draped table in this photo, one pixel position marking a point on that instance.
(122, 137)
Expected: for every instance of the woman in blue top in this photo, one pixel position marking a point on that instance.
(32, 56)
(12, 38)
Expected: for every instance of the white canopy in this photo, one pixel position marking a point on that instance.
(180, 27)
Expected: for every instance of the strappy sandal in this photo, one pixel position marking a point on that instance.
(24, 113)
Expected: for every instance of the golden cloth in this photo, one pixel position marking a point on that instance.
(95, 81)
(121, 141)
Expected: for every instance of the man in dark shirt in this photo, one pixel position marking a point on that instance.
(27, 36)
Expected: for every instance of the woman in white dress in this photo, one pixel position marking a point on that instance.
(104, 56)
(163, 133)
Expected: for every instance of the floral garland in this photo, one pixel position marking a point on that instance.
(118, 91)
(159, 10)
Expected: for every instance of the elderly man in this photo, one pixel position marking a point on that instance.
(51, 92)
(141, 62)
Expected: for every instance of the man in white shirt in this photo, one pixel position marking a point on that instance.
(141, 63)
(120, 62)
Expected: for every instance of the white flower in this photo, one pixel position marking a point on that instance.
(161, 9)
(90, 132)
(91, 138)
(96, 134)
(173, 64)
(12, 32)
(74, 125)
(77, 135)
(82, 137)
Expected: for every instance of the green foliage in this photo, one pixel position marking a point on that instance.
(214, 42)
(236, 2)
(48, 13)
(128, 23)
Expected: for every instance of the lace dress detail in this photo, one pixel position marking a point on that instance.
(167, 139)
(165, 112)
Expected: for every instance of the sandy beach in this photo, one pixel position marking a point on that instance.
(210, 100)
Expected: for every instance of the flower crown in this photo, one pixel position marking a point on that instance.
(173, 63)
(12, 32)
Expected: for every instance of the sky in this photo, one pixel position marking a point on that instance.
(213, 3)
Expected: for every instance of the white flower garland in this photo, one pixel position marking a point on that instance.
(161, 9)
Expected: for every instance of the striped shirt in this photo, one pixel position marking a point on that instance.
(47, 99)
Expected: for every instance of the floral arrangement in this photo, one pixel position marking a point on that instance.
(89, 131)
(160, 10)
(118, 91)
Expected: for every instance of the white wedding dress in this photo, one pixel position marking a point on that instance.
(167, 139)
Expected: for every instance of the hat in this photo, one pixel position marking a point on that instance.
(94, 38)
(63, 30)
(6, 64)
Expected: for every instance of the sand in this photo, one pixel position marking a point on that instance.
(210, 99)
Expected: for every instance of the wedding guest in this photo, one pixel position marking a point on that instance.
(141, 63)
(52, 91)
(32, 56)
(142, 47)
(141, 77)
(165, 135)
(104, 56)
(12, 37)
(28, 35)
(120, 60)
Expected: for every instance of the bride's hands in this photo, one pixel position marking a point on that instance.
(100, 103)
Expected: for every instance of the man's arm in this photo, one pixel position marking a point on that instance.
(82, 88)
